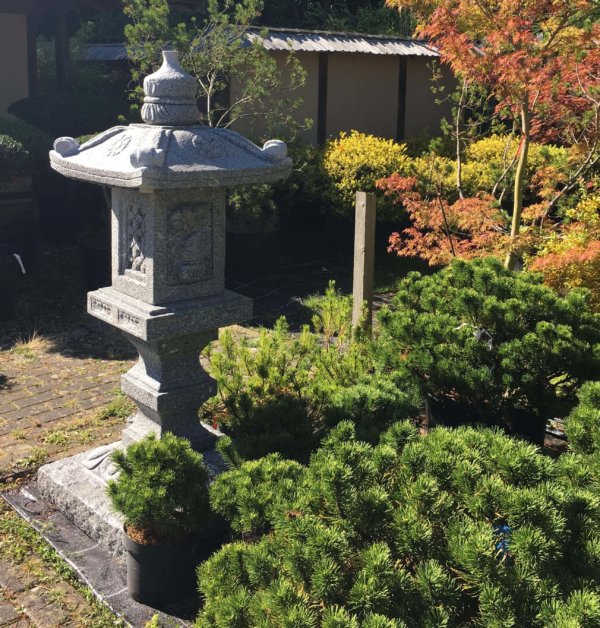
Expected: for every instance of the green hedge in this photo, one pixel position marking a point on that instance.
(34, 141)
(582, 426)
(14, 158)
(498, 341)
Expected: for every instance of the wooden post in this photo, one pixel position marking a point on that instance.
(32, 61)
(61, 47)
(364, 258)
(322, 98)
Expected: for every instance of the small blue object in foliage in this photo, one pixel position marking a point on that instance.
(502, 532)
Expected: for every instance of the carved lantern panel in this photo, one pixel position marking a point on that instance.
(168, 245)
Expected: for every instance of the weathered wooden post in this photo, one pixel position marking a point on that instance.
(364, 259)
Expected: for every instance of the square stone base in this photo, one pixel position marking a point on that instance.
(76, 486)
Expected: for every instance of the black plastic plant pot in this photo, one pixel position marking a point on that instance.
(161, 575)
(528, 424)
(451, 413)
(10, 272)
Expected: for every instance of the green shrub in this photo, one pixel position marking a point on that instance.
(70, 113)
(263, 387)
(307, 191)
(434, 173)
(36, 142)
(479, 334)
(305, 194)
(14, 158)
(457, 528)
(282, 392)
(356, 162)
(582, 426)
(371, 405)
(245, 496)
(23, 149)
(161, 488)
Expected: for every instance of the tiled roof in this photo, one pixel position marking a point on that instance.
(303, 41)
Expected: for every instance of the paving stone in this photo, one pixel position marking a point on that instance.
(94, 402)
(8, 615)
(13, 396)
(13, 579)
(47, 386)
(54, 415)
(15, 415)
(35, 399)
(39, 610)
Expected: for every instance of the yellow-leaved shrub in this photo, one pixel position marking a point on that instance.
(355, 162)
(571, 256)
(434, 173)
(487, 159)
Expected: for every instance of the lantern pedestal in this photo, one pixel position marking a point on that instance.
(167, 384)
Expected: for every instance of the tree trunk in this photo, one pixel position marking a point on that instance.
(458, 132)
(511, 257)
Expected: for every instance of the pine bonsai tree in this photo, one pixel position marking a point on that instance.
(484, 336)
(459, 527)
(161, 490)
(283, 392)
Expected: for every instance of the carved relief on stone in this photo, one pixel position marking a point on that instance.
(190, 237)
(127, 320)
(100, 308)
(99, 461)
(118, 146)
(135, 238)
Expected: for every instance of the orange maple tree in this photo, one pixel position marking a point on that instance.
(539, 58)
(441, 230)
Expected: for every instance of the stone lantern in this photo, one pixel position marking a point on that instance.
(168, 179)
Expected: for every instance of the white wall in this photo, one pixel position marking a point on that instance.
(362, 94)
(423, 115)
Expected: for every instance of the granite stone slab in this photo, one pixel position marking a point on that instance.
(76, 486)
(101, 571)
(154, 322)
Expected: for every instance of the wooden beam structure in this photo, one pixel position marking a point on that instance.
(32, 61)
(401, 124)
(322, 98)
(364, 261)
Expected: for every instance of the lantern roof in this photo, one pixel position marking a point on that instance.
(171, 149)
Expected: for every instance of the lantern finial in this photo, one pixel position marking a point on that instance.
(170, 94)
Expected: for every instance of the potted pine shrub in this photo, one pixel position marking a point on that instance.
(487, 345)
(162, 493)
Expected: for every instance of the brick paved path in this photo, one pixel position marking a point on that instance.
(57, 397)
(54, 400)
(27, 600)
